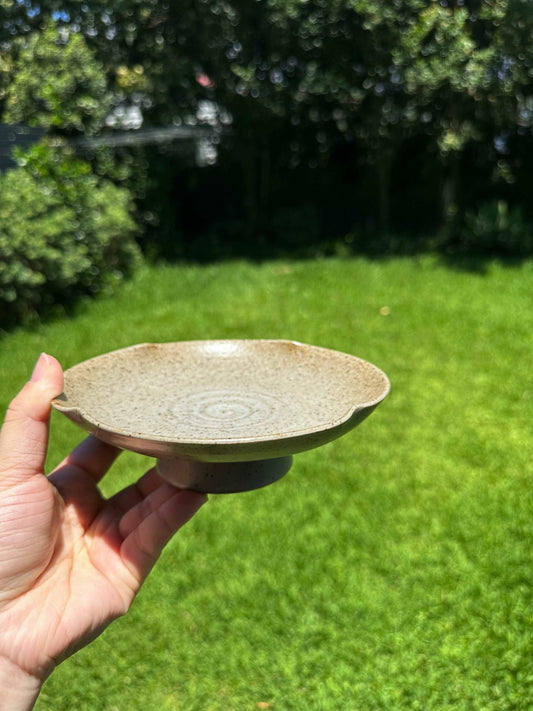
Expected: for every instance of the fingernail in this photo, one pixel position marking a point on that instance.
(40, 368)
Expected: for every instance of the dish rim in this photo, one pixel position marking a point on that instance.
(227, 442)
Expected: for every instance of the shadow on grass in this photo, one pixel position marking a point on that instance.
(48, 313)
(370, 246)
(214, 249)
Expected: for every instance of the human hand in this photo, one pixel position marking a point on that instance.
(70, 560)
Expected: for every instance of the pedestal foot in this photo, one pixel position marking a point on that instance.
(223, 477)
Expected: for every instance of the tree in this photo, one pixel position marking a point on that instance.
(304, 80)
(58, 84)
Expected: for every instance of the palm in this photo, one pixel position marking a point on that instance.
(81, 558)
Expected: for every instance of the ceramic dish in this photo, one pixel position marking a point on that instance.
(215, 404)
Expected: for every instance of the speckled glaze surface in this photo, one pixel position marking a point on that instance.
(221, 401)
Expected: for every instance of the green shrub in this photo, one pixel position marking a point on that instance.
(497, 228)
(63, 233)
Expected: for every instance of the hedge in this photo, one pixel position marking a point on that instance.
(63, 233)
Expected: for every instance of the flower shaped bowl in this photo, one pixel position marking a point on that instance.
(222, 415)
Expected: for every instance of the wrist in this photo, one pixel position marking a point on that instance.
(18, 689)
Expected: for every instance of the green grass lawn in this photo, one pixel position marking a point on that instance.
(391, 569)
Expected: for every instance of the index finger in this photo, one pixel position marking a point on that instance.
(92, 456)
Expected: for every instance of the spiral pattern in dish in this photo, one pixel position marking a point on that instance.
(226, 409)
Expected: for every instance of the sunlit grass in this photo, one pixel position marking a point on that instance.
(391, 569)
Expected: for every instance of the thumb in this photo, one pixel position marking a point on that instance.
(24, 436)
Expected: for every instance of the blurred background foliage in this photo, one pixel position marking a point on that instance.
(64, 233)
(335, 125)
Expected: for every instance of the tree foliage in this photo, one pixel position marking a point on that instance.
(365, 92)
(57, 84)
